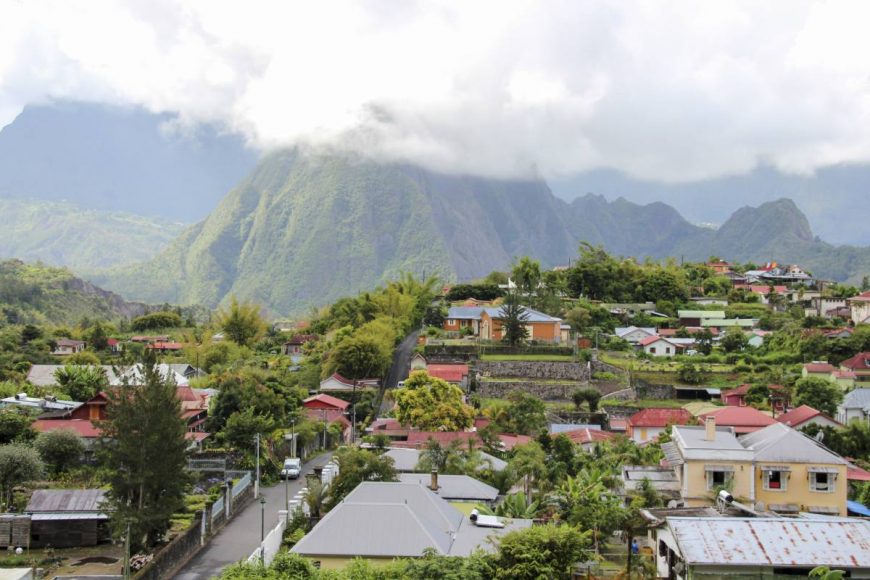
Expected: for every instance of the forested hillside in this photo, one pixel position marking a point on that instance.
(64, 234)
(39, 294)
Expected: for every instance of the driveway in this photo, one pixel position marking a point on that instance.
(241, 536)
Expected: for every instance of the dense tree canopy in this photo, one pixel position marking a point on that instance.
(431, 404)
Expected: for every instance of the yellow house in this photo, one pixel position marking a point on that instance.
(773, 469)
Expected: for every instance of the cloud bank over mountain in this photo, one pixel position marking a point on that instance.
(670, 91)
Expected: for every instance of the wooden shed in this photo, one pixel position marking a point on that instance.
(67, 518)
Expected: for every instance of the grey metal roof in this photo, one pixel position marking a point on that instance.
(386, 519)
(781, 443)
(454, 487)
(66, 500)
(857, 399)
(474, 312)
(843, 543)
(694, 437)
(43, 375)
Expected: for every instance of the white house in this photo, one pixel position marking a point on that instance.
(634, 334)
(658, 346)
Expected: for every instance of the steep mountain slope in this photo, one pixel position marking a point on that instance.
(301, 231)
(64, 234)
(38, 294)
(112, 158)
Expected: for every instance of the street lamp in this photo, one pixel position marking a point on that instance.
(262, 529)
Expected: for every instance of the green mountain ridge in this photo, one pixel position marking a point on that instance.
(40, 294)
(301, 231)
(64, 234)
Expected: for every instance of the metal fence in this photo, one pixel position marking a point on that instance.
(217, 509)
(241, 485)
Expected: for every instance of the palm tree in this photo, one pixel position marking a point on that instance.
(315, 497)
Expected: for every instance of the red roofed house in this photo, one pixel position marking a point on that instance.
(456, 374)
(649, 423)
(762, 290)
(82, 420)
(818, 369)
(586, 438)
(805, 415)
(658, 346)
(742, 419)
(859, 308)
(328, 409)
(115, 345)
(736, 397)
(389, 427)
(860, 365)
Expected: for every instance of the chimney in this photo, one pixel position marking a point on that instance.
(710, 426)
(433, 484)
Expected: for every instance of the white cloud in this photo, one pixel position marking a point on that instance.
(662, 89)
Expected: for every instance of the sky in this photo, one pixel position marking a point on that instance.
(672, 91)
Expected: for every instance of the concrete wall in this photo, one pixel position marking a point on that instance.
(171, 558)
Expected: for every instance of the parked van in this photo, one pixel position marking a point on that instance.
(292, 468)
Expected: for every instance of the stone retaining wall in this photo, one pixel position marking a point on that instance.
(568, 371)
(544, 391)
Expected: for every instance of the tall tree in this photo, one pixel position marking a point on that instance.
(144, 453)
(548, 551)
(241, 323)
(819, 394)
(526, 274)
(513, 323)
(431, 404)
(18, 463)
(61, 449)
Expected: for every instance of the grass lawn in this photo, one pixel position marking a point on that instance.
(622, 361)
(529, 357)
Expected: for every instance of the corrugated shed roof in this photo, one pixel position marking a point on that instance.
(448, 372)
(66, 500)
(743, 419)
(798, 416)
(454, 487)
(406, 460)
(839, 542)
(329, 400)
(701, 314)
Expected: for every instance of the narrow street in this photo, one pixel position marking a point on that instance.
(241, 536)
(399, 369)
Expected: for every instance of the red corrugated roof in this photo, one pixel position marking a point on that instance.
(860, 361)
(743, 389)
(798, 416)
(451, 373)
(302, 339)
(661, 417)
(862, 297)
(165, 346)
(327, 415)
(742, 419)
(82, 427)
(855, 473)
(820, 367)
(652, 339)
(328, 400)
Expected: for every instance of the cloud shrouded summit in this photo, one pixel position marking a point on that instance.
(671, 91)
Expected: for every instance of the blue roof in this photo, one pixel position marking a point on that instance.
(856, 508)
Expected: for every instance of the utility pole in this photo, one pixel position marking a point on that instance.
(353, 415)
(127, 552)
(257, 481)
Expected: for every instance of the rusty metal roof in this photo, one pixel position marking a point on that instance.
(66, 500)
(840, 542)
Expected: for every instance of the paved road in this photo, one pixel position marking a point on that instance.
(241, 536)
(400, 368)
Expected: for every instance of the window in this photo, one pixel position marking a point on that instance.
(652, 350)
(775, 479)
(822, 481)
(451, 322)
(719, 476)
(667, 350)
